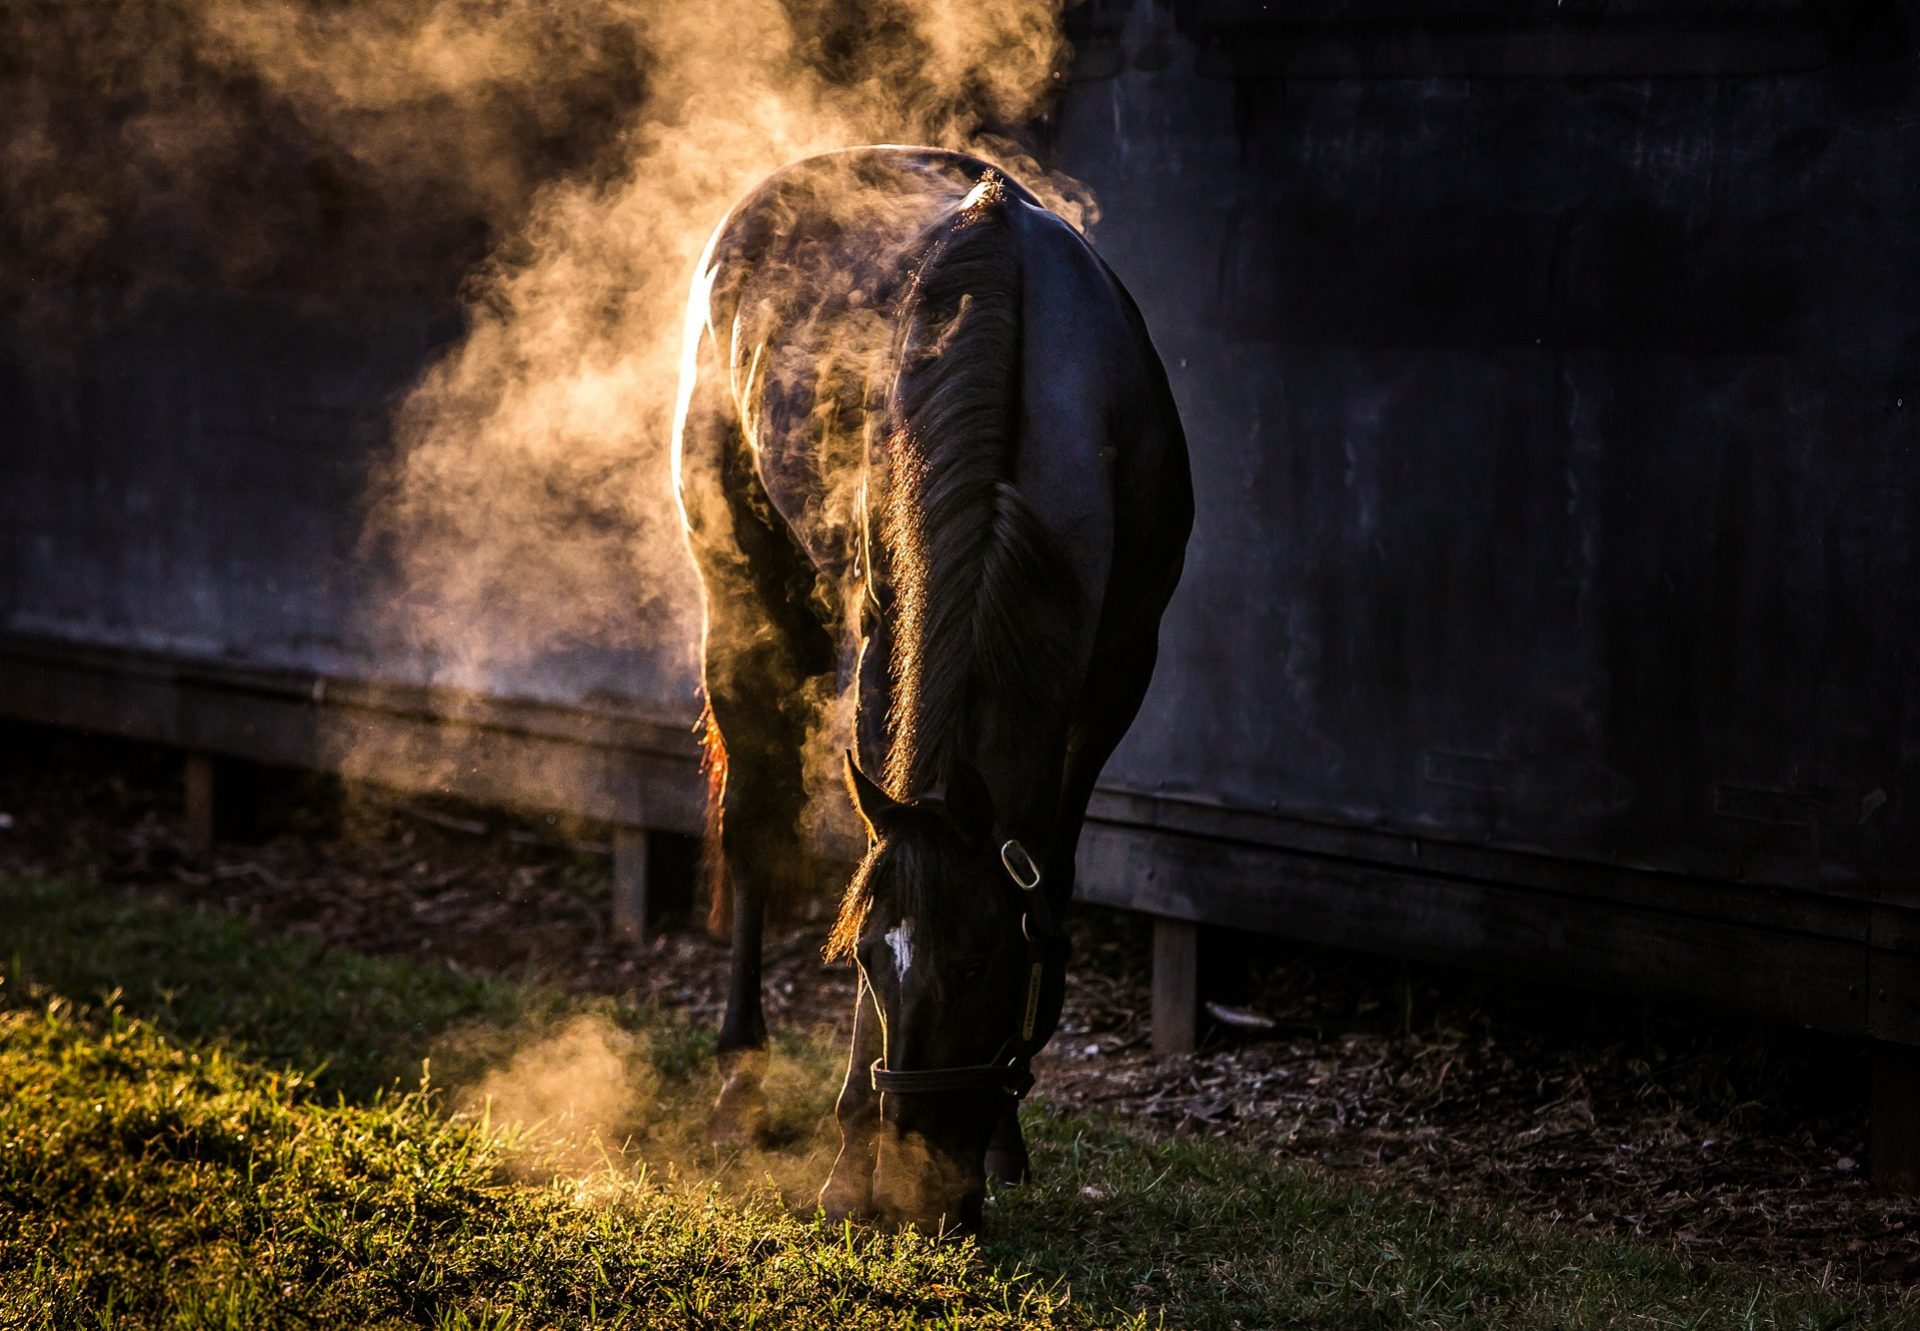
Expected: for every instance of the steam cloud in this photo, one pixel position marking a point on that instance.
(529, 505)
(584, 1097)
(524, 510)
(581, 1086)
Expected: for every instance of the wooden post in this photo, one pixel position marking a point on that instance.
(1893, 1118)
(1176, 986)
(199, 801)
(630, 881)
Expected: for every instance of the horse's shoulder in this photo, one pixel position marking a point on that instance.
(1062, 271)
(1097, 381)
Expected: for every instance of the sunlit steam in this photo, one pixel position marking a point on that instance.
(523, 511)
(579, 1089)
(527, 509)
(590, 1096)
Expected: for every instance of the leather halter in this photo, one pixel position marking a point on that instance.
(1010, 1070)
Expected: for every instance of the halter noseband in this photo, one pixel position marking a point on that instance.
(1010, 1071)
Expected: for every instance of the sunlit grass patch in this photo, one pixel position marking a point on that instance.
(170, 1185)
(202, 1126)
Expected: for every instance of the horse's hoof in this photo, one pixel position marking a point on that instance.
(739, 1113)
(1005, 1167)
(839, 1206)
(739, 1120)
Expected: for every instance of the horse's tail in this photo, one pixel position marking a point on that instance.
(713, 857)
(984, 598)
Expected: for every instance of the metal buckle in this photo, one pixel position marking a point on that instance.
(1026, 881)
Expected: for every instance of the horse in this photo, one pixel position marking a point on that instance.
(926, 455)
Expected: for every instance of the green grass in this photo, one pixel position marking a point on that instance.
(201, 1126)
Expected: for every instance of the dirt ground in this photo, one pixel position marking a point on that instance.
(1723, 1141)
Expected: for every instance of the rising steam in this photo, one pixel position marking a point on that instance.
(523, 511)
(528, 505)
(582, 1088)
(527, 509)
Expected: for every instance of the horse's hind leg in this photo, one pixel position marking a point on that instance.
(764, 642)
(761, 652)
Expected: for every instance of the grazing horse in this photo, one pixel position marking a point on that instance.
(925, 454)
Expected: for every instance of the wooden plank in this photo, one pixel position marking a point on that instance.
(630, 881)
(1841, 913)
(516, 769)
(1778, 974)
(616, 768)
(1893, 1117)
(1176, 986)
(1893, 974)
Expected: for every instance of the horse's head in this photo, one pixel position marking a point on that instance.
(963, 963)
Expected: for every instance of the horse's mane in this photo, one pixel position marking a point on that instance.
(983, 599)
(984, 603)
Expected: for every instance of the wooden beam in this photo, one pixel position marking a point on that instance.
(1893, 1118)
(1768, 965)
(610, 765)
(630, 881)
(199, 799)
(1176, 986)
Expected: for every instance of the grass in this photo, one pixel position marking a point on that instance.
(201, 1126)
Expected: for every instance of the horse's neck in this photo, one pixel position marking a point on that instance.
(1022, 769)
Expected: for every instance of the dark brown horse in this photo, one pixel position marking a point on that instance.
(925, 452)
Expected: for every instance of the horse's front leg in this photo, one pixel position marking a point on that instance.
(848, 1194)
(1007, 1149)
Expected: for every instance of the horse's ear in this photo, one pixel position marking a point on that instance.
(873, 803)
(970, 803)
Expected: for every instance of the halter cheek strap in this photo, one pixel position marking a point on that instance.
(1010, 1070)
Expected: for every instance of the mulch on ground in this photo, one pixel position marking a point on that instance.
(1721, 1140)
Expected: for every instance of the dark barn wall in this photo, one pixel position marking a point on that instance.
(188, 477)
(1548, 370)
(213, 300)
(1551, 384)
(187, 472)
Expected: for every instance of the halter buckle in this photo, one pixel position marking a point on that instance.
(1020, 866)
